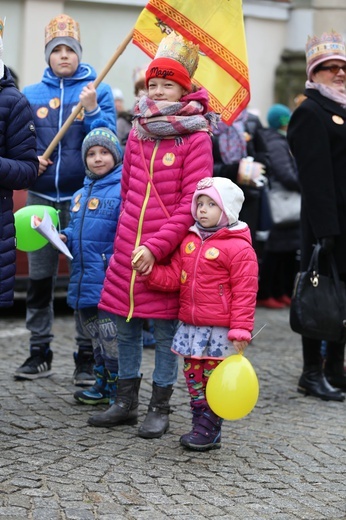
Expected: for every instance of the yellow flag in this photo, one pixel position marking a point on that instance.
(217, 26)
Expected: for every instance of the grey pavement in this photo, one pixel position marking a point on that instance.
(284, 461)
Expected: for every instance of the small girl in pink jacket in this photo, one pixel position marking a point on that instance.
(216, 271)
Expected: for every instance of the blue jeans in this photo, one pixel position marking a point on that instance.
(130, 347)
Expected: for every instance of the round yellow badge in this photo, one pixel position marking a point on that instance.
(338, 120)
(190, 247)
(212, 253)
(168, 159)
(93, 203)
(76, 207)
(42, 112)
(54, 103)
(183, 276)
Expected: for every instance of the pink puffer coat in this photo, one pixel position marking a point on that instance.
(176, 167)
(217, 278)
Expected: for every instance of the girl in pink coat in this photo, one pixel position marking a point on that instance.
(216, 272)
(168, 151)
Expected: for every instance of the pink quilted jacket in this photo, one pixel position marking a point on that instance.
(176, 167)
(217, 278)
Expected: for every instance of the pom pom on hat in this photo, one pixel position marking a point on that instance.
(278, 116)
(101, 135)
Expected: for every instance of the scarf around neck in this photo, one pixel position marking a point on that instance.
(328, 92)
(165, 119)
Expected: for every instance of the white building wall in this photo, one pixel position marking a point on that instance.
(270, 28)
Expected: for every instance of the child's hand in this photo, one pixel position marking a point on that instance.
(88, 97)
(43, 164)
(142, 262)
(240, 346)
(63, 237)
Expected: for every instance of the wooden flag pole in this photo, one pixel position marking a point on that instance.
(120, 49)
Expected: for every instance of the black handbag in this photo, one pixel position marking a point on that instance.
(319, 301)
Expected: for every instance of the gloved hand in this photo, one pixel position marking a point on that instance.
(251, 173)
(327, 244)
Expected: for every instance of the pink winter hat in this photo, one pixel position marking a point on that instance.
(227, 195)
(328, 47)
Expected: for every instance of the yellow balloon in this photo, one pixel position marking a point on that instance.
(232, 389)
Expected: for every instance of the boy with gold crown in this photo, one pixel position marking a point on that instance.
(18, 168)
(65, 82)
(168, 151)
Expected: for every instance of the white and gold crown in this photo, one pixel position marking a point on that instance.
(61, 26)
(174, 46)
(328, 44)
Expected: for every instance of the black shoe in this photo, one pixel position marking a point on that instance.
(84, 371)
(36, 366)
(312, 382)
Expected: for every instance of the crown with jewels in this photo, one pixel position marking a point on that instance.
(174, 46)
(321, 48)
(61, 26)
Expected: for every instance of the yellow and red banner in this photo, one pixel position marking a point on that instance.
(217, 26)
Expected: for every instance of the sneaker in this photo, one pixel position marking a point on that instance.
(84, 371)
(36, 366)
(103, 391)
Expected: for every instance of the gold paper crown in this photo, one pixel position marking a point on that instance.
(329, 44)
(174, 46)
(2, 25)
(61, 26)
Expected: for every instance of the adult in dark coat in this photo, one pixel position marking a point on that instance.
(18, 170)
(317, 137)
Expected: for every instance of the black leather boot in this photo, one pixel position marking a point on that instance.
(125, 408)
(312, 382)
(156, 422)
(334, 366)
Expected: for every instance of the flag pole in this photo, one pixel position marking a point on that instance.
(120, 49)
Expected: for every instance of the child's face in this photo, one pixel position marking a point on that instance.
(161, 89)
(99, 160)
(63, 61)
(208, 212)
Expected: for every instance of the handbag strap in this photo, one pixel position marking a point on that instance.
(151, 181)
(314, 269)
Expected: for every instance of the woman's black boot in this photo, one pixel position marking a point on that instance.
(312, 382)
(334, 366)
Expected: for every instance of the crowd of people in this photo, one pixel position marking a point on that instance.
(181, 199)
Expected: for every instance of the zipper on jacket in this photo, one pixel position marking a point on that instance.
(104, 259)
(139, 232)
(223, 298)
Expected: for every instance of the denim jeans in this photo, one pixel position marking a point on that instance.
(130, 347)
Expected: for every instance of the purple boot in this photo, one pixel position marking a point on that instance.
(206, 429)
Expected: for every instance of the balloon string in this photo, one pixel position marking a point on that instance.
(258, 332)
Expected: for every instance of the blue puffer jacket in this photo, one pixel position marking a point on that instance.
(52, 101)
(18, 169)
(90, 236)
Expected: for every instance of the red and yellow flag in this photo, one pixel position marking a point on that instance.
(217, 26)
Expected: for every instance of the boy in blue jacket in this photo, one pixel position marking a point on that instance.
(89, 236)
(65, 82)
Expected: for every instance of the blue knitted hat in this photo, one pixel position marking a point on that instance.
(278, 116)
(101, 135)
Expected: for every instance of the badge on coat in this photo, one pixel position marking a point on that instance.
(212, 253)
(168, 159)
(189, 248)
(338, 120)
(93, 203)
(42, 112)
(54, 103)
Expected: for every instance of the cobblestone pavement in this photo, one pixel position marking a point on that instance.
(285, 461)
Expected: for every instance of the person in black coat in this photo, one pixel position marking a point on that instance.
(18, 170)
(279, 266)
(317, 138)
